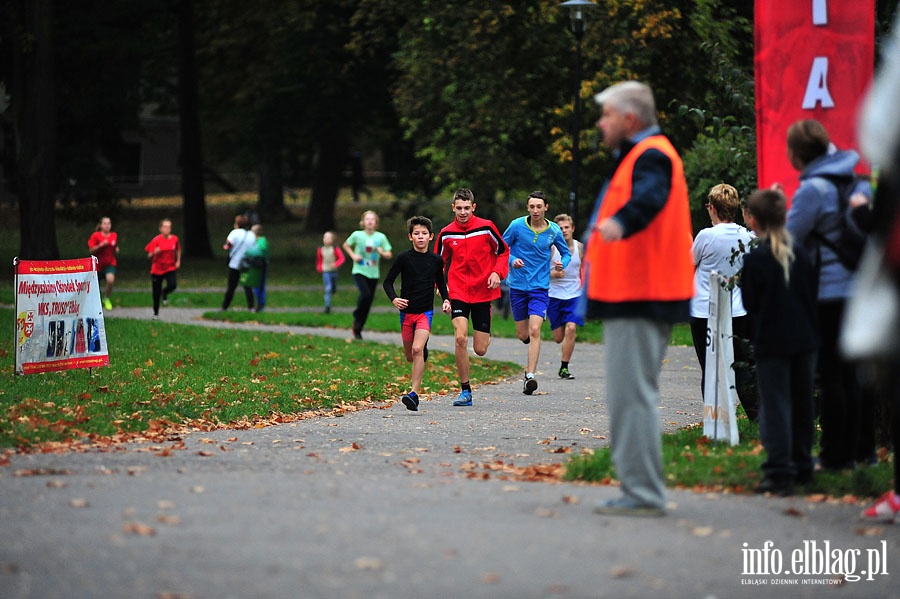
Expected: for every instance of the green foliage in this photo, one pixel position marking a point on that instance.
(721, 156)
(476, 89)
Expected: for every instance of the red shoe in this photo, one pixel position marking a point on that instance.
(884, 510)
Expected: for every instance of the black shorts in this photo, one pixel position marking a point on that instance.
(480, 314)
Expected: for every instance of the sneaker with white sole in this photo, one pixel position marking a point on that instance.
(464, 399)
(530, 385)
(886, 509)
(565, 374)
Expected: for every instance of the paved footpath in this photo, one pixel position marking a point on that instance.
(396, 504)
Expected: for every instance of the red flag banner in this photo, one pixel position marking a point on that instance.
(814, 60)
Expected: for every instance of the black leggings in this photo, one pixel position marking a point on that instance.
(366, 288)
(158, 291)
(234, 275)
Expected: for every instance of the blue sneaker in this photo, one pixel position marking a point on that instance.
(411, 401)
(464, 399)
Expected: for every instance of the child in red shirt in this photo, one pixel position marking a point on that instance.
(103, 243)
(164, 252)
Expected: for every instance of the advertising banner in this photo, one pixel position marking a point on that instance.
(814, 60)
(719, 396)
(59, 319)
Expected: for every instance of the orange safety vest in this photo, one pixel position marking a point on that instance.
(654, 264)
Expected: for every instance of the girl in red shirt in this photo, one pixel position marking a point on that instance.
(103, 243)
(164, 252)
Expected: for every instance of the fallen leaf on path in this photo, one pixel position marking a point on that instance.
(368, 563)
(869, 531)
(137, 528)
(79, 502)
(41, 472)
(621, 572)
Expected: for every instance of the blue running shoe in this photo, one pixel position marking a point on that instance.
(411, 401)
(464, 399)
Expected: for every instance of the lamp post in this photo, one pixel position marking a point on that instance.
(578, 16)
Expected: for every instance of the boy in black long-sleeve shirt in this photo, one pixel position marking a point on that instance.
(421, 271)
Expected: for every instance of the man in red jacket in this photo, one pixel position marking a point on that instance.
(475, 261)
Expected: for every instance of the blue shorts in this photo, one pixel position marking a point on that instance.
(528, 303)
(562, 311)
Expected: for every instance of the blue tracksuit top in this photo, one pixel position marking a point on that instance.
(533, 247)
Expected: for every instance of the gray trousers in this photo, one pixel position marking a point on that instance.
(635, 348)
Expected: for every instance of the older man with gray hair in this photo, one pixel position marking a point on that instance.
(639, 280)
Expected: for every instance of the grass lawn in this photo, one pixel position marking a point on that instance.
(165, 376)
(692, 461)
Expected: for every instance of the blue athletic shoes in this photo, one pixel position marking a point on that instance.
(411, 401)
(464, 399)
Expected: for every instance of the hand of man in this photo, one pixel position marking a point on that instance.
(518, 263)
(493, 281)
(610, 229)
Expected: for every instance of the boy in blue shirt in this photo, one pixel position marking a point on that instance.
(530, 239)
(421, 271)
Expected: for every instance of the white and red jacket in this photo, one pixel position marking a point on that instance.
(471, 252)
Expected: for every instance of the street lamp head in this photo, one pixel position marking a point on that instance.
(578, 10)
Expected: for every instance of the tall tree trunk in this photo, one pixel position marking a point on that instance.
(196, 230)
(34, 122)
(332, 157)
(271, 184)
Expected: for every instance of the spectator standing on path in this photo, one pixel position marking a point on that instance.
(814, 214)
(779, 291)
(366, 248)
(638, 275)
(421, 271)
(721, 248)
(236, 244)
(475, 261)
(164, 252)
(328, 260)
(565, 295)
(530, 239)
(257, 257)
(103, 243)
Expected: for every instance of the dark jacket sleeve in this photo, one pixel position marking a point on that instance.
(650, 184)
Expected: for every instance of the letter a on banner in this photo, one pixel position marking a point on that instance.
(814, 59)
(719, 402)
(59, 319)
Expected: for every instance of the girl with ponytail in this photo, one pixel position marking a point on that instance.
(778, 284)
